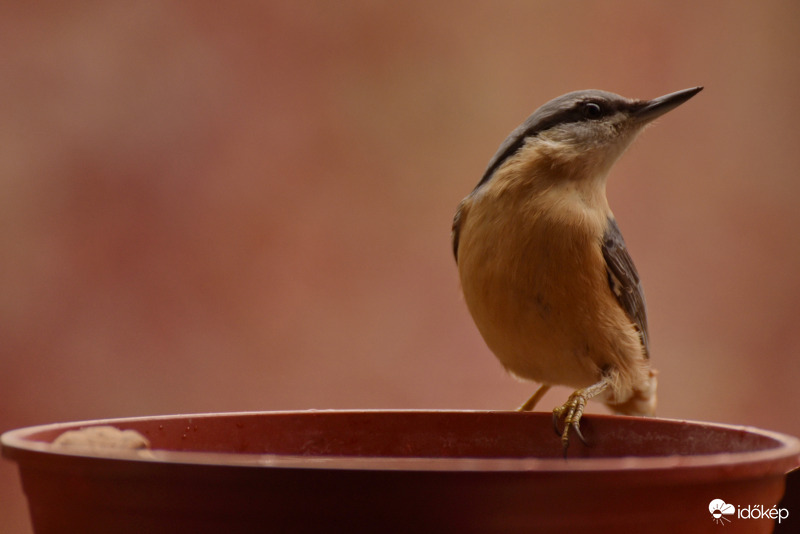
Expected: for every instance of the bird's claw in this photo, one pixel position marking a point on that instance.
(571, 412)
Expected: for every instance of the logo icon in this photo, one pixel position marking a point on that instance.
(719, 509)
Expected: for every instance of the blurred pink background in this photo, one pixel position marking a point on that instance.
(248, 208)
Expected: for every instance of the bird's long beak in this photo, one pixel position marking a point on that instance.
(653, 109)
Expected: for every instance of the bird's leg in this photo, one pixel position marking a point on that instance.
(530, 404)
(572, 411)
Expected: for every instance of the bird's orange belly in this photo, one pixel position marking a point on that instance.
(528, 327)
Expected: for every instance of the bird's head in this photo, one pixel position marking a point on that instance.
(581, 134)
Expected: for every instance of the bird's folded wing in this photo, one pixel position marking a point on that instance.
(624, 280)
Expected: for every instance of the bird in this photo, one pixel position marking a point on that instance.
(544, 270)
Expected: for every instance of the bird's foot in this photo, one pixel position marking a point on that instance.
(572, 411)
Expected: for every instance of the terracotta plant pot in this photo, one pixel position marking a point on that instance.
(400, 471)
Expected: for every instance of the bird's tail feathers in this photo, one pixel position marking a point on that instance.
(642, 401)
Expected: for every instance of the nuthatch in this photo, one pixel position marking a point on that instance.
(544, 270)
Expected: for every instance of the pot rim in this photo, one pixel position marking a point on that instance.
(21, 445)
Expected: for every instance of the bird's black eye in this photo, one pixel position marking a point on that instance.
(592, 110)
